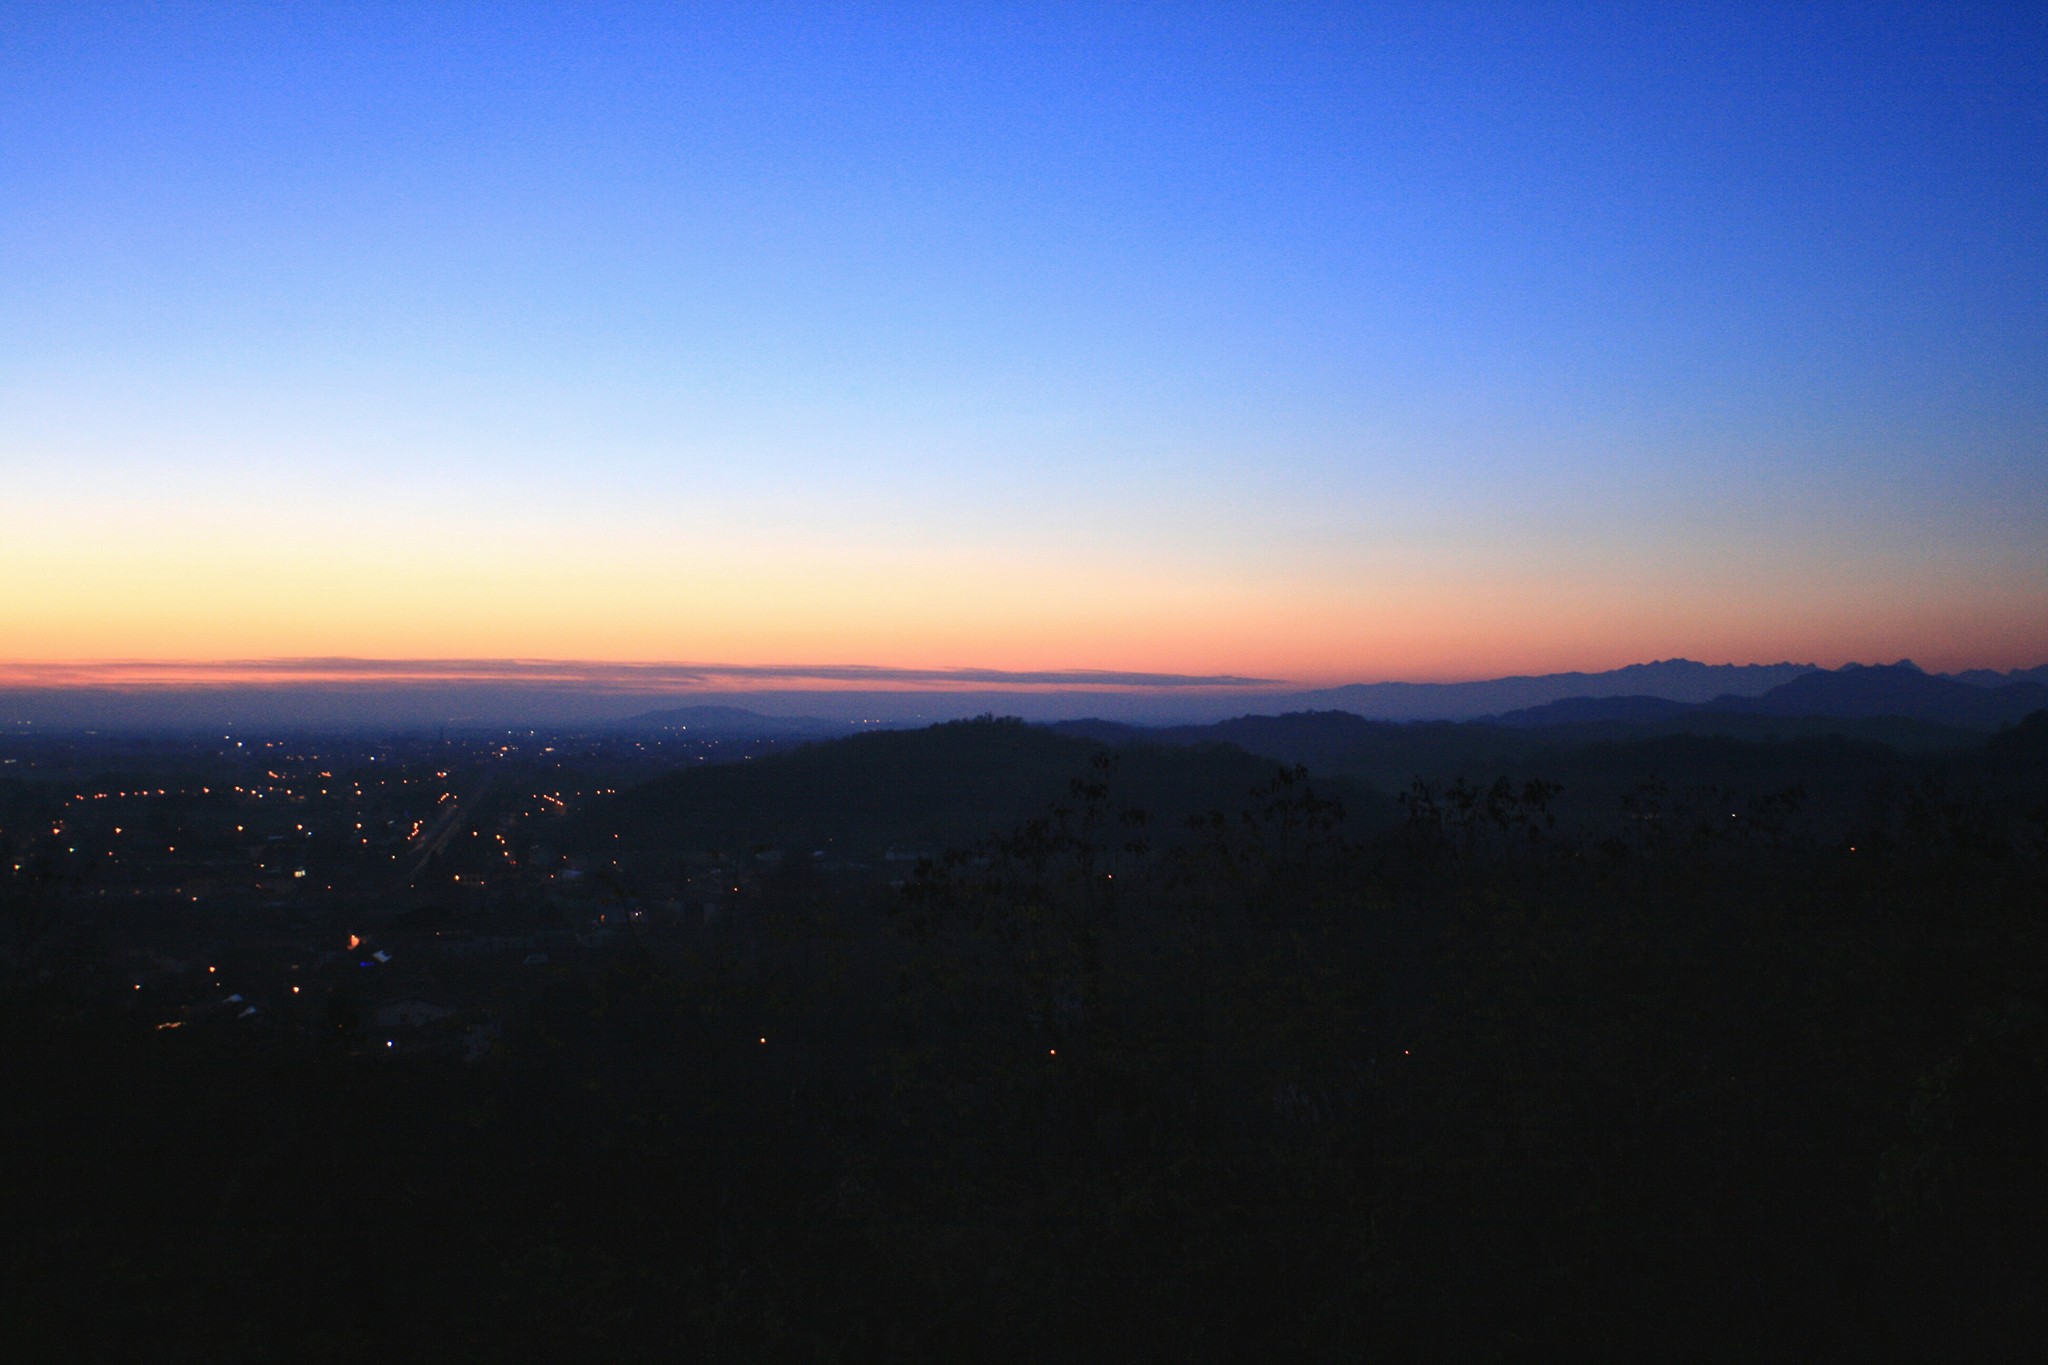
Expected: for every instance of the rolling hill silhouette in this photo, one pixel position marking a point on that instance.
(948, 784)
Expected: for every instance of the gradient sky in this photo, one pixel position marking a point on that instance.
(1323, 343)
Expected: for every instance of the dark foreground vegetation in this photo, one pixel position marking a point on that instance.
(1706, 1072)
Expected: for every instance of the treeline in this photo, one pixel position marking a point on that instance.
(1482, 1083)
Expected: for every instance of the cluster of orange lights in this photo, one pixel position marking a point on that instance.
(113, 796)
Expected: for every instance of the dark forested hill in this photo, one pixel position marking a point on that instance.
(950, 783)
(1835, 761)
(1386, 754)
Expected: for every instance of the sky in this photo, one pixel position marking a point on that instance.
(1312, 343)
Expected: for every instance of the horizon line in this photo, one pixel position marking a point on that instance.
(626, 676)
(629, 677)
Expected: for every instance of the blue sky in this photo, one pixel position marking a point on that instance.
(1287, 341)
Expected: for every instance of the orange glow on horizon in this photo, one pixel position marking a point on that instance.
(154, 599)
(362, 624)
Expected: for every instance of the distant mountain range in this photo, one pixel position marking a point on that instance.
(1896, 690)
(1680, 680)
(1986, 677)
(1980, 699)
(1638, 693)
(1985, 701)
(1840, 720)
